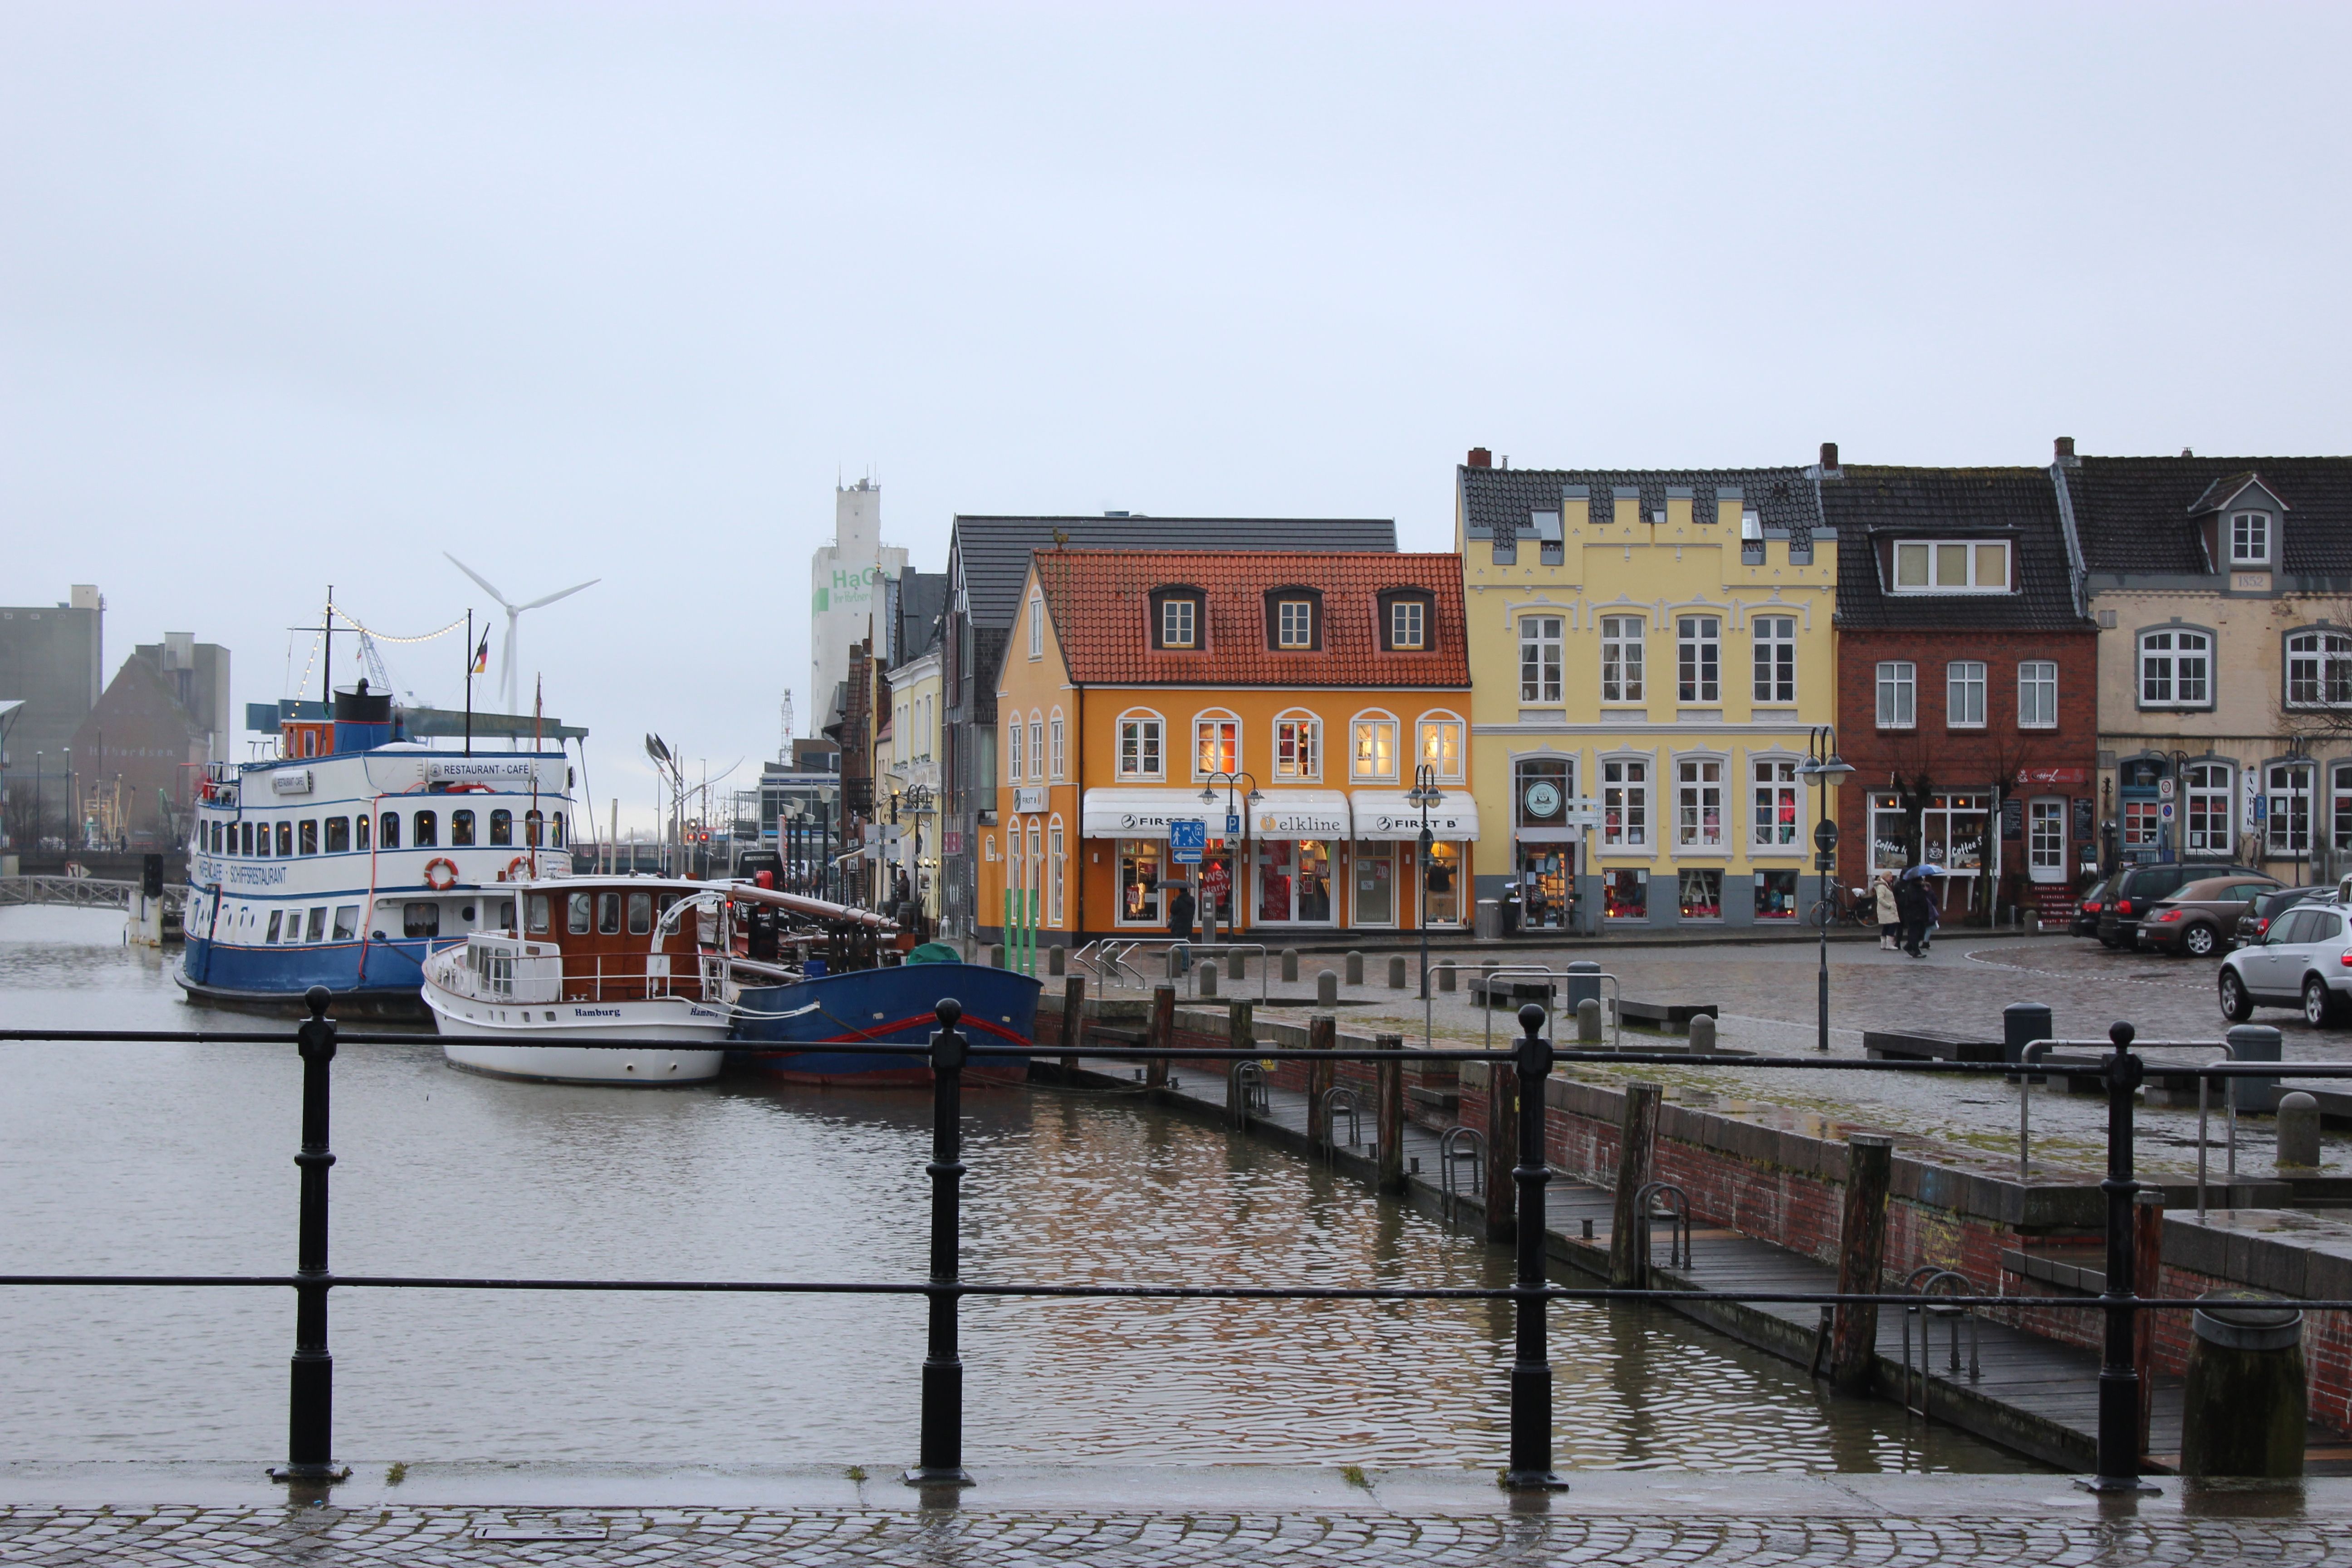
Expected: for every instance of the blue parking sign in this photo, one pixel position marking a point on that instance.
(1187, 837)
(1233, 825)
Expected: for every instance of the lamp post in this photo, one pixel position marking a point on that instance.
(1237, 856)
(1425, 793)
(1823, 765)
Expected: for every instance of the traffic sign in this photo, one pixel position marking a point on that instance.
(1187, 837)
(1825, 836)
(2164, 810)
(2164, 789)
(1233, 825)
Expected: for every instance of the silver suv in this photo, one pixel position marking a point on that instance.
(2304, 960)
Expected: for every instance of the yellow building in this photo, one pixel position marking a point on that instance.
(909, 767)
(1649, 652)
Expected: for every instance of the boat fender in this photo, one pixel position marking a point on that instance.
(440, 873)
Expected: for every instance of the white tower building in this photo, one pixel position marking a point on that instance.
(844, 600)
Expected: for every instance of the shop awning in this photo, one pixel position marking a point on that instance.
(1301, 813)
(1387, 815)
(1146, 813)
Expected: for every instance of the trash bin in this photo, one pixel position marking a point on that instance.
(1583, 983)
(1489, 926)
(2246, 1407)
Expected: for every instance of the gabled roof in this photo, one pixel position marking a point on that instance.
(1101, 605)
(1496, 502)
(2135, 514)
(1868, 505)
(989, 556)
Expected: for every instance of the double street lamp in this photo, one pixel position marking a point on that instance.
(1824, 768)
(1425, 793)
(1235, 855)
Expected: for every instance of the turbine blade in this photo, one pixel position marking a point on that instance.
(564, 595)
(477, 577)
(507, 661)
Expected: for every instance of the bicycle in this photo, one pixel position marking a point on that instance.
(1845, 906)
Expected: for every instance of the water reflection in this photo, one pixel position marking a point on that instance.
(178, 1157)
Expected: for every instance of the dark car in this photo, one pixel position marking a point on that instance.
(2131, 892)
(2086, 914)
(2197, 918)
(2255, 923)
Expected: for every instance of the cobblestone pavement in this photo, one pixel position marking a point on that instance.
(424, 1537)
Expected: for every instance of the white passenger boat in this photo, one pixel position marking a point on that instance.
(594, 959)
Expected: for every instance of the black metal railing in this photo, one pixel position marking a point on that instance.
(940, 1455)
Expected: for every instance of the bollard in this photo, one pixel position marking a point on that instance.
(1637, 1135)
(996, 955)
(1322, 1035)
(1290, 965)
(311, 1397)
(1588, 1022)
(1208, 978)
(1702, 1033)
(1355, 962)
(1236, 965)
(1861, 1256)
(2021, 1024)
(1531, 1411)
(1058, 960)
(939, 1449)
(1502, 1148)
(2118, 1407)
(2147, 1280)
(1445, 979)
(2298, 1133)
(1327, 989)
(1176, 965)
(1162, 1035)
(1388, 1080)
(1074, 1023)
(2246, 1408)
(1396, 973)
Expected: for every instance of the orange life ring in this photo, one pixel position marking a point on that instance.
(517, 864)
(446, 870)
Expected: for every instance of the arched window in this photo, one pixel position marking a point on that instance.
(2319, 670)
(1372, 745)
(1438, 744)
(1142, 737)
(1216, 744)
(1037, 745)
(1298, 745)
(1016, 751)
(1057, 867)
(1055, 739)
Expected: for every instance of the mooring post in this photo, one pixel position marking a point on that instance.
(1162, 1035)
(1502, 1148)
(1322, 1035)
(1388, 1078)
(310, 1402)
(1637, 1135)
(2118, 1441)
(940, 1460)
(1074, 1023)
(1531, 1361)
(2147, 1280)
(1241, 1034)
(1861, 1258)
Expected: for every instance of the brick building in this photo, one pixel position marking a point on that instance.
(1967, 684)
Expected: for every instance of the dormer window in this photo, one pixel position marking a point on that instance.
(1408, 621)
(1294, 620)
(2249, 538)
(1951, 566)
(1177, 621)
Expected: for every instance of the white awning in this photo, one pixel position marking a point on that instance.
(1387, 815)
(1301, 813)
(1146, 813)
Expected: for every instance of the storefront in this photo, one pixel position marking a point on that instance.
(1300, 839)
(1954, 836)
(1383, 878)
(1126, 830)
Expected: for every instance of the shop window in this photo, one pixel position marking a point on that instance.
(2339, 805)
(338, 834)
(1294, 880)
(1139, 860)
(1373, 903)
(1776, 895)
(461, 830)
(1890, 834)
(1440, 747)
(2288, 808)
(1621, 659)
(427, 831)
(1952, 832)
(1625, 894)
(1373, 753)
(1539, 658)
(1701, 893)
(1298, 747)
(1777, 803)
(388, 831)
(1775, 638)
(1625, 804)
(1138, 747)
(501, 828)
(308, 829)
(1541, 789)
(2208, 808)
(1698, 803)
(1443, 884)
(1698, 653)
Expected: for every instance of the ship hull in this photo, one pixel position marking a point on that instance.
(784, 1029)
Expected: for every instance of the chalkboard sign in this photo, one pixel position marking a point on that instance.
(2012, 818)
(2083, 822)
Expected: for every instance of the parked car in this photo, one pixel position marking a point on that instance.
(2197, 918)
(2137, 886)
(2304, 960)
(2268, 907)
(2086, 914)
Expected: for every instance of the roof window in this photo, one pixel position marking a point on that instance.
(1951, 566)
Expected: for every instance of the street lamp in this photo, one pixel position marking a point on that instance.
(1239, 856)
(1425, 793)
(1824, 766)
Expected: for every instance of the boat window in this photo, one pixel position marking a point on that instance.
(531, 828)
(275, 916)
(641, 913)
(362, 824)
(608, 914)
(465, 913)
(536, 907)
(420, 919)
(318, 924)
(244, 837)
(506, 913)
(501, 828)
(461, 830)
(310, 828)
(428, 831)
(556, 827)
(338, 834)
(575, 918)
(389, 838)
(285, 839)
(347, 922)
(669, 898)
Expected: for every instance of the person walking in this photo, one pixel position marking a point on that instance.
(1890, 918)
(1180, 912)
(1912, 903)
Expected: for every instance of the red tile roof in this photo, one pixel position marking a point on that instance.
(1101, 604)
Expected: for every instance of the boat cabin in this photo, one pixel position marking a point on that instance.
(592, 939)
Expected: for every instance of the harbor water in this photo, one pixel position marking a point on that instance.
(177, 1158)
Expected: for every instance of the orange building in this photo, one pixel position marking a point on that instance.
(1291, 696)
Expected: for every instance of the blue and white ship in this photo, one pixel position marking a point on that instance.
(360, 850)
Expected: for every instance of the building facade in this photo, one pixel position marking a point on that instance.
(912, 775)
(1968, 686)
(52, 667)
(1650, 651)
(1283, 700)
(2222, 592)
(846, 597)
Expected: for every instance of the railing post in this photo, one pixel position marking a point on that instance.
(1531, 1363)
(1629, 1260)
(1162, 1035)
(1502, 1147)
(311, 1403)
(940, 1461)
(1388, 1077)
(2118, 1442)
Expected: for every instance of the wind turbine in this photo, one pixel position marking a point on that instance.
(514, 614)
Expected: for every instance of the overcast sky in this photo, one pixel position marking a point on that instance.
(300, 294)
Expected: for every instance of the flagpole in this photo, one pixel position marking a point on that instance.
(469, 682)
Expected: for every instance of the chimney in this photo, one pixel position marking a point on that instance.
(2063, 447)
(1481, 458)
(1829, 457)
